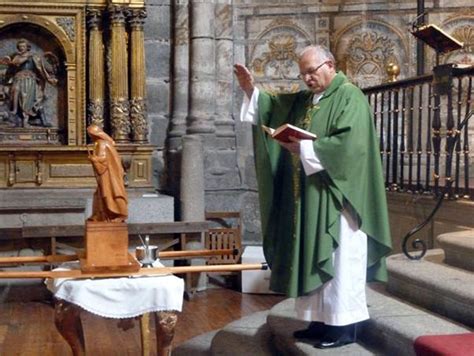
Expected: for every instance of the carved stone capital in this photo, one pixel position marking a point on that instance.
(94, 19)
(68, 25)
(119, 117)
(136, 18)
(138, 120)
(117, 14)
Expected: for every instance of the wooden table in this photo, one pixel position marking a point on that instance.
(67, 315)
(67, 318)
(118, 298)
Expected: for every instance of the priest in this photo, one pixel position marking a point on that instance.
(323, 205)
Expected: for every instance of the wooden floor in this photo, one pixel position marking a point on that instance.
(28, 328)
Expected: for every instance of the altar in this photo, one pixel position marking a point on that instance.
(118, 298)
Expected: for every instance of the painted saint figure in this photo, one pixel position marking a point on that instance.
(110, 198)
(27, 74)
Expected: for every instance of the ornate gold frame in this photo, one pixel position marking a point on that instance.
(64, 166)
(47, 18)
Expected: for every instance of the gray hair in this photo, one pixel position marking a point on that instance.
(321, 51)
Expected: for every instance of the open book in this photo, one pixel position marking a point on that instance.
(284, 132)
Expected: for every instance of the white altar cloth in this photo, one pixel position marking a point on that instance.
(119, 298)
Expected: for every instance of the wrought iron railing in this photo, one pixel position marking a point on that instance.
(413, 117)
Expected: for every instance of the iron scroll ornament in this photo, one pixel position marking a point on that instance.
(418, 243)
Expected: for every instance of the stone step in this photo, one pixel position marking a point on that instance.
(394, 325)
(252, 336)
(283, 322)
(197, 346)
(458, 248)
(429, 283)
(247, 336)
(391, 330)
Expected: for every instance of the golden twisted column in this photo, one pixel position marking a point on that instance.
(138, 115)
(95, 107)
(118, 75)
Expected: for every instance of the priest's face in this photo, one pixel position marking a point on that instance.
(317, 73)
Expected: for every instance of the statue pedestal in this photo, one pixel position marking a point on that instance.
(106, 246)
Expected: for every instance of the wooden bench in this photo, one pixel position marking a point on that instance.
(179, 232)
(182, 228)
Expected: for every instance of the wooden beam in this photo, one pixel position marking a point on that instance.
(178, 227)
(169, 255)
(157, 271)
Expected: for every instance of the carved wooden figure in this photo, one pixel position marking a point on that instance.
(106, 238)
(110, 198)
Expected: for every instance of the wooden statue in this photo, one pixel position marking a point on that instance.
(110, 198)
(106, 238)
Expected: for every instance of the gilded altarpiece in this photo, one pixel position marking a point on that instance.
(64, 65)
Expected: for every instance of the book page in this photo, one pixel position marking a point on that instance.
(268, 130)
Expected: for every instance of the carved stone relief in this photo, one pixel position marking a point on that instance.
(461, 28)
(364, 49)
(182, 28)
(273, 59)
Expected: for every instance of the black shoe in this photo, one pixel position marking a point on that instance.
(338, 336)
(314, 330)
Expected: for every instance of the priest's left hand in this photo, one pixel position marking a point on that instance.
(293, 146)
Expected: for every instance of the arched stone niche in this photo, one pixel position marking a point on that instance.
(54, 40)
(364, 48)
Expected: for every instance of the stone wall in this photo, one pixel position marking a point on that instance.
(407, 211)
(158, 57)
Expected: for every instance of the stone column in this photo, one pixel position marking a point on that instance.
(192, 203)
(203, 68)
(224, 70)
(138, 117)
(192, 179)
(180, 73)
(118, 75)
(95, 107)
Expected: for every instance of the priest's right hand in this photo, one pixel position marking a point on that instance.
(245, 79)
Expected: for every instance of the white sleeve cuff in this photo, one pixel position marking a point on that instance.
(310, 161)
(249, 108)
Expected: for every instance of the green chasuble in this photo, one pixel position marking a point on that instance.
(300, 214)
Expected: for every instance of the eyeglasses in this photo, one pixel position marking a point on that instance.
(311, 71)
